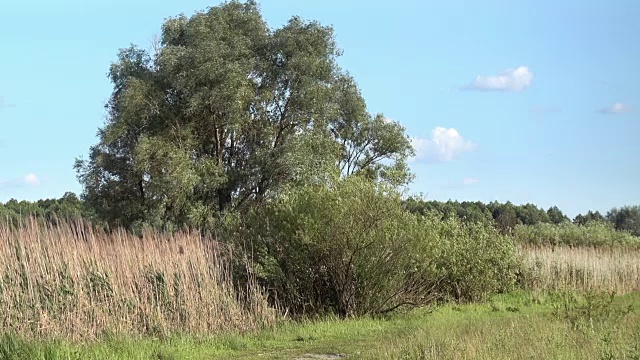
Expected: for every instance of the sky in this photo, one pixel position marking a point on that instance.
(523, 101)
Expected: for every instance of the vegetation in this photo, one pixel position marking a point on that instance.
(626, 218)
(506, 216)
(581, 269)
(240, 182)
(226, 113)
(72, 282)
(617, 228)
(313, 254)
(68, 208)
(593, 234)
(522, 325)
(352, 249)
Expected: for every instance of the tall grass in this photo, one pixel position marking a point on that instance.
(581, 268)
(77, 283)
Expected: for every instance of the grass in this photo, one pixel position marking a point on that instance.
(521, 325)
(71, 292)
(75, 283)
(582, 268)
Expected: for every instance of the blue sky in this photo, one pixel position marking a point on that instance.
(527, 101)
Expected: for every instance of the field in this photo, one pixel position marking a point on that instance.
(582, 268)
(75, 283)
(77, 293)
(520, 325)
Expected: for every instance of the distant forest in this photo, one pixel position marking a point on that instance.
(504, 216)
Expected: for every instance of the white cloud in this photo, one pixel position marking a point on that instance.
(31, 179)
(616, 108)
(470, 181)
(443, 145)
(509, 80)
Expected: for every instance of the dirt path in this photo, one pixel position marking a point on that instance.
(321, 357)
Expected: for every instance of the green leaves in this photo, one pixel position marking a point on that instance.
(372, 146)
(352, 249)
(226, 113)
(626, 218)
(345, 248)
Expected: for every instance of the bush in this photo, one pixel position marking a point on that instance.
(352, 249)
(593, 234)
(474, 260)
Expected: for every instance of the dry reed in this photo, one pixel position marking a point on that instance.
(581, 268)
(77, 283)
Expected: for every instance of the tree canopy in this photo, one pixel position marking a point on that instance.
(226, 112)
(626, 218)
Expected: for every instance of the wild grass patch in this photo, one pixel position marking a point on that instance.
(74, 282)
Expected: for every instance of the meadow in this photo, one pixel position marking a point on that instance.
(74, 292)
(521, 325)
(241, 201)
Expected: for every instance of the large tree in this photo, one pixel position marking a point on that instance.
(226, 111)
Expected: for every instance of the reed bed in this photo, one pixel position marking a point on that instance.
(614, 269)
(77, 283)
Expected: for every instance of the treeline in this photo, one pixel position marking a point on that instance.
(68, 208)
(506, 216)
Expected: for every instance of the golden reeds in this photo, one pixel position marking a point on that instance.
(581, 268)
(77, 283)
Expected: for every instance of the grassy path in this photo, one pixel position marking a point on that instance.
(515, 326)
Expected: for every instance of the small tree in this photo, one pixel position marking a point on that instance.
(556, 216)
(506, 218)
(626, 218)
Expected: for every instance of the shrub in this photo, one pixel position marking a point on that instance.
(352, 249)
(594, 234)
(473, 259)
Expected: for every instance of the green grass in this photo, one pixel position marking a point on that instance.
(518, 325)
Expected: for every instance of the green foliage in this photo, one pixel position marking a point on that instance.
(534, 225)
(466, 211)
(474, 260)
(506, 218)
(626, 218)
(352, 249)
(227, 112)
(529, 214)
(591, 312)
(349, 249)
(556, 216)
(68, 208)
(588, 217)
(591, 234)
(470, 331)
(15, 348)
